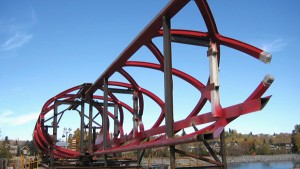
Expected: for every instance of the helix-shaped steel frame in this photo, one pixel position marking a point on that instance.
(140, 138)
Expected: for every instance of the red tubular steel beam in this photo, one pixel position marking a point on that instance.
(140, 137)
(172, 8)
(208, 18)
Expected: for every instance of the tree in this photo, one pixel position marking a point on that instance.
(233, 149)
(4, 150)
(6, 140)
(271, 141)
(297, 142)
(295, 139)
(294, 146)
(263, 149)
(76, 136)
(297, 128)
(253, 147)
(31, 147)
(18, 152)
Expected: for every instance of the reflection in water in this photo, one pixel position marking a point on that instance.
(266, 165)
(297, 165)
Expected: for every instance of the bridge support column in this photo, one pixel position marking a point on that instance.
(82, 128)
(212, 54)
(54, 133)
(51, 156)
(168, 86)
(223, 149)
(135, 121)
(90, 126)
(105, 118)
(135, 114)
(94, 135)
(116, 121)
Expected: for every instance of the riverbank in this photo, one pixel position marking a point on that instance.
(187, 161)
(263, 158)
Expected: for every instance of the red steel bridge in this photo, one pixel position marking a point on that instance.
(93, 100)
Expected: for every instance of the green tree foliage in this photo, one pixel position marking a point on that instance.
(294, 148)
(4, 150)
(31, 147)
(263, 149)
(6, 140)
(295, 139)
(18, 152)
(297, 128)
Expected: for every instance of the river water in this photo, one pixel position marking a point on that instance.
(266, 165)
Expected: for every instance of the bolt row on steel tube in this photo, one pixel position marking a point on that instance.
(142, 137)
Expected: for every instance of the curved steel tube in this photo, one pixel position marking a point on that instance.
(129, 142)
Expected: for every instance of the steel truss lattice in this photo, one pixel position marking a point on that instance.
(140, 138)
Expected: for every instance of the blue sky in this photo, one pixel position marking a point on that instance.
(48, 47)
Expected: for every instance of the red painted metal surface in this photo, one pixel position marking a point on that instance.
(137, 140)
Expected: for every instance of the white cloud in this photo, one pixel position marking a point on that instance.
(5, 117)
(5, 113)
(26, 118)
(274, 46)
(9, 118)
(14, 29)
(17, 40)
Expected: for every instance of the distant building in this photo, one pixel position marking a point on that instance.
(285, 147)
(13, 150)
(62, 144)
(25, 150)
(234, 144)
(73, 145)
